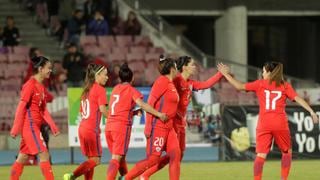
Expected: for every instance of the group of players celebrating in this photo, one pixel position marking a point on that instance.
(165, 118)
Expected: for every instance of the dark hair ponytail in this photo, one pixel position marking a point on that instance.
(38, 61)
(276, 69)
(166, 64)
(90, 78)
(125, 73)
(183, 61)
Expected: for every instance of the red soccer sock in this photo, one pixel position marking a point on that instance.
(163, 162)
(47, 170)
(141, 166)
(113, 169)
(123, 169)
(285, 165)
(84, 168)
(89, 174)
(16, 170)
(174, 164)
(258, 168)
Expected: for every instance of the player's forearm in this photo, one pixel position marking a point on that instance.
(149, 109)
(47, 117)
(19, 116)
(304, 104)
(208, 83)
(237, 84)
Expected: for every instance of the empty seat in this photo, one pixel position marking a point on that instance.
(88, 40)
(123, 40)
(120, 50)
(152, 57)
(137, 66)
(24, 50)
(116, 58)
(156, 50)
(142, 41)
(17, 58)
(135, 57)
(138, 49)
(106, 41)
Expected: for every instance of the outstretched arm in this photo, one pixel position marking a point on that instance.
(224, 70)
(306, 106)
(197, 85)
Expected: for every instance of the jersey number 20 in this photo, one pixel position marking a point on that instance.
(273, 100)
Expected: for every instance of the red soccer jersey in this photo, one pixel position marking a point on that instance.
(34, 94)
(122, 102)
(163, 97)
(89, 108)
(185, 88)
(272, 102)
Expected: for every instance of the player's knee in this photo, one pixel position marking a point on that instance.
(44, 156)
(287, 151)
(96, 160)
(262, 155)
(22, 158)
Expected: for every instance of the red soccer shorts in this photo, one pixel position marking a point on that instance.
(264, 140)
(161, 140)
(118, 141)
(32, 142)
(90, 143)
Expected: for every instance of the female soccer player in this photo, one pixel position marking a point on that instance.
(30, 115)
(272, 92)
(93, 104)
(184, 86)
(161, 135)
(118, 128)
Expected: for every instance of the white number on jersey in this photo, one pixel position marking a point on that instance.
(85, 106)
(117, 96)
(274, 100)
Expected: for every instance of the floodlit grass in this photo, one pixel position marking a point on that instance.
(301, 170)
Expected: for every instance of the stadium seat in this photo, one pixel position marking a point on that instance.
(116, 58)
(120, 50)
(138, 49)
(17, 58)
(106, 41)
(123, 41)
(152, 57)
(88, 40)
(135, 57)
(156, 50)
(142, 41)
(21, 50)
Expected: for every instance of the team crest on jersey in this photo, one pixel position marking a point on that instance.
(158, 149)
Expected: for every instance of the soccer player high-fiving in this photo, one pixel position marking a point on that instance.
(272, 92)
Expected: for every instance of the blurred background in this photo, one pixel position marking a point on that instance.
(241, 33)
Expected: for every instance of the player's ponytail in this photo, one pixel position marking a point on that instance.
(38, 61)
(183, 61)
(276, 69)
(165, 65)
(92, 71)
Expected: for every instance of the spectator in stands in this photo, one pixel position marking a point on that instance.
(11, 35)
(59, 76)
(75, 27)
(89, 7)
(132, 26)
(98, 26)
(116, 25)
(74, 63)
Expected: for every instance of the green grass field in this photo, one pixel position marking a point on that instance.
(301, 170)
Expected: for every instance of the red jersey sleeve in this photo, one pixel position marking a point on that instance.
(19, 117)
(136, 94)
(102, 97)
(290, 92)
(197, 85)
(157, 90)
(252, 86)
(26, 92)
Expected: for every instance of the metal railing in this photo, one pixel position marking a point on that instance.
(165, 29)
